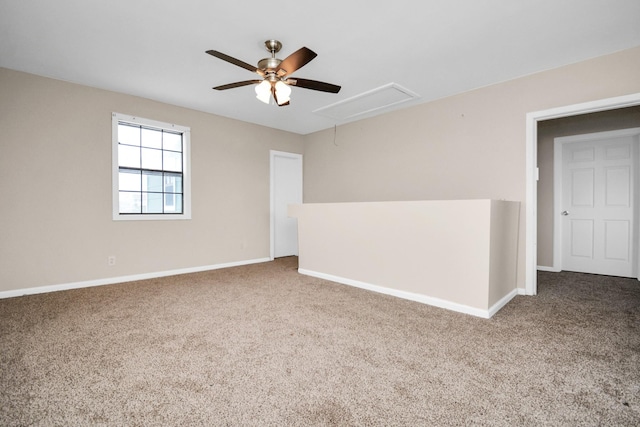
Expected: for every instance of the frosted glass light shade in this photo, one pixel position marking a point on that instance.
(283, 92)
(263, 91)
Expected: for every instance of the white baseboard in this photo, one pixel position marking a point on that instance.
(551, 269)
(122, 279)
(436, 302)
(503, 301)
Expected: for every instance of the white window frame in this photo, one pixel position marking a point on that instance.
(186, 168)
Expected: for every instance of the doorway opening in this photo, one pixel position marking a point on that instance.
(532, 171)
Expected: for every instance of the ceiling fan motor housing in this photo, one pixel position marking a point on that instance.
(269, 64)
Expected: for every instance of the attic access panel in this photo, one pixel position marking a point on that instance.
(374, 100)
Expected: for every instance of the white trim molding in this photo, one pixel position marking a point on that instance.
(424, 299)
(122, 279)
(550, 269)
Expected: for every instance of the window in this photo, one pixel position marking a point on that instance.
(151, 176)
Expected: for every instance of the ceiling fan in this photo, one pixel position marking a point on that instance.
(276, 74)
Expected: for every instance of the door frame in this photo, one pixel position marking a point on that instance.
(272, 192)
(531, 171)
(558, 170)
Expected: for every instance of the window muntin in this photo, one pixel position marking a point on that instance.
(150, 166)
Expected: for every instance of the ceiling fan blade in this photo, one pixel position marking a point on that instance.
(237, 84)
(295, 61)
(314, 85)
(235, 61)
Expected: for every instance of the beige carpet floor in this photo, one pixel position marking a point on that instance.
(261, 345)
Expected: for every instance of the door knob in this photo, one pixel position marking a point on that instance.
(564, 213)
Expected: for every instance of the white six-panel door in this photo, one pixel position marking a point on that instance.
(286, 188)
(598, 203)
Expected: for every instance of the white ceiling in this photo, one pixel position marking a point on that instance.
(435, 48)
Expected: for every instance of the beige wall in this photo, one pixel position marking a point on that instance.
(622, 118)
(55, 168)
(456, 254)
(467, 146)
(55, 183)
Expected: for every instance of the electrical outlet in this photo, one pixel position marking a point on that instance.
(111, 260)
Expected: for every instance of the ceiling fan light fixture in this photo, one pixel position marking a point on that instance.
(283, 92)
(275, 73)
(263, 91)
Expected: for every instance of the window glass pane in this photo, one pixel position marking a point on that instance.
(172, 161)
(173, 203)
(151, 159)
(129, 180)
(129, 202)
(172, 183)
(152, 181)
(151, 202)
(169, 202)
(129, 135)
(128, 156)
(172, 141)
(151, 138)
